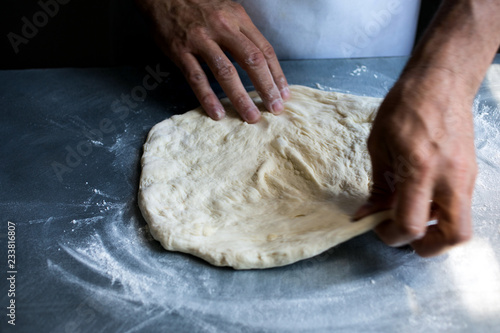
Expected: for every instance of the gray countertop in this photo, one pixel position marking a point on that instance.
(85, 262)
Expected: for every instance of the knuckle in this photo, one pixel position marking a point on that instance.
(255, 59)
(267, 92)
(197, 32)
(416, 172)
(238, 9)
(419, 156)
(280, 81)
(463, 166)
(268, 51)
(225, 71)
(242, 101)
(221, 20)
(196, 77)
(423, 168)
(462, 170)
(208, 101)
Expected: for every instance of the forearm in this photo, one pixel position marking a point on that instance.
(461, 41)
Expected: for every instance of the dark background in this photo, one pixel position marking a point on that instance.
(93, 33)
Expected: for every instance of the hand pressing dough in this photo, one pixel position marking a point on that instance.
(260, 195)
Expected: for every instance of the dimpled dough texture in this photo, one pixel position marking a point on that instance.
(260, 195)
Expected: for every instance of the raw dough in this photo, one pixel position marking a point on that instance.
(261, 195)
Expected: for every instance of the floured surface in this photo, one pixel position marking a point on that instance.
(91, 257)
(261, 195)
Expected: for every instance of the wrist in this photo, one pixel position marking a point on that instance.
(440, 80)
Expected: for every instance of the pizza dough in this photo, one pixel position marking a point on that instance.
(260, 195)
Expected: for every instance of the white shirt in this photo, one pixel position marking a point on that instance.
(315, 29)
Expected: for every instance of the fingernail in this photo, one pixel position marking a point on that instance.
(277, 107)
(252, 116)
(285, 93)
(219, 114)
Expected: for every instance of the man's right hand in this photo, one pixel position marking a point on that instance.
(192, 30)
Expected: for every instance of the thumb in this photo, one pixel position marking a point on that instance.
(382, 194)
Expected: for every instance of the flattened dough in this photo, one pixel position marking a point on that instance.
(260, 195)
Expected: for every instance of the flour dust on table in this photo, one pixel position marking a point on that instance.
(260, 195)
